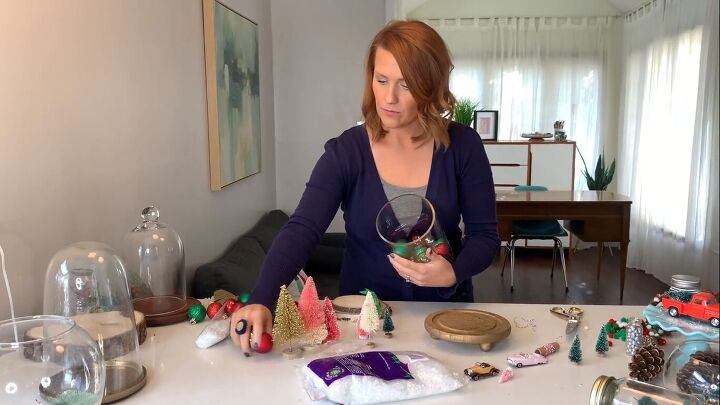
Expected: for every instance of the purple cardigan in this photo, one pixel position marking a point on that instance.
(460, 184)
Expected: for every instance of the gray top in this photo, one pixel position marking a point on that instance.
(392, 191)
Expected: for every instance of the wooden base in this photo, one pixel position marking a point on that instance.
(176, 316)
(293, 353)
(468, 326)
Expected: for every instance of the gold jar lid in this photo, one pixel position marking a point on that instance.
(600, 394)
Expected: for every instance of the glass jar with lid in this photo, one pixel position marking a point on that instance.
(86, 282)
(155, 260)
(626, 391)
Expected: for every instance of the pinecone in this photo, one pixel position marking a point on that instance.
(700, 374)
(646, 363)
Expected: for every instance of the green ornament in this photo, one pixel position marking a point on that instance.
(196, 313)
(400, 250)
(244, 297)
(420, 252)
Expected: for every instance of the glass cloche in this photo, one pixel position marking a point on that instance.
(155, 259)
(86, 282)
(48, 359)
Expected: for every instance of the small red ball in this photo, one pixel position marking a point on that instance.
(662, 342)
(610, 343)
(611, 335)
(238, 305)
(230, 305)
(645, 331)
(612, 321)
(266, 343)
(443, 249)
(213, 309)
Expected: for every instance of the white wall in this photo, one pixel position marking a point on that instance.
(319, 52)
(102, 111)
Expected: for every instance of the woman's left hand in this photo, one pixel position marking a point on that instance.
(438, 272)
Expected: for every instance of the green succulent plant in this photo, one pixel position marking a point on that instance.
(465, 111)
(603, 175)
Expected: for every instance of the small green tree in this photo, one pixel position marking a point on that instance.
(575, 354)
(388, 325)
(602, 346)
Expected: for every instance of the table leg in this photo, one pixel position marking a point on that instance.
(624, 247)
(599, 256)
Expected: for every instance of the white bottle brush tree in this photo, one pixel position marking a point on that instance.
(369, 320)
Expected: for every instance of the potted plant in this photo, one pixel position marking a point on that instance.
(465, 111)
(603, 175)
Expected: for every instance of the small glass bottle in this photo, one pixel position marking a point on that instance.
(626, 391)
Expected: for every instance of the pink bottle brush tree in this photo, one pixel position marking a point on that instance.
(312, 314)
(333, 330)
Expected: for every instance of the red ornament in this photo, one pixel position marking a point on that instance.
(611, 335)
(265, 343)
(213, 309)
(662, 342)
(238, 305)
(443, 249)
(230, 305)
(612, 321)
(610, 342)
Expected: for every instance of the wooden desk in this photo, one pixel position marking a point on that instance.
(595, 216)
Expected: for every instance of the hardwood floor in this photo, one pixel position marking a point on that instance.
(533, 284)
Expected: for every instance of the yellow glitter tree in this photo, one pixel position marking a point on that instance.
(288, 326)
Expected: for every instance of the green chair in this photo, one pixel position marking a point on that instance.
(535, 230)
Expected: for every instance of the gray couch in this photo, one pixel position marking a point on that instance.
(238, 268)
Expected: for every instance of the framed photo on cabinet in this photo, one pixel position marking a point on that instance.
(486, 124)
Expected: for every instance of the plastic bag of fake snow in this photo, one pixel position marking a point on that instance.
(377, 376)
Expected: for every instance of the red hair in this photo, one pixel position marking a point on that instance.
(425, 63)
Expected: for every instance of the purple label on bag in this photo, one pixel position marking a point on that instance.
(383, 365)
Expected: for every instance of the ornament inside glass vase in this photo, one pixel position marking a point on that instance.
(408, 224)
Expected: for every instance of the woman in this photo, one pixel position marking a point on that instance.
(407, 145)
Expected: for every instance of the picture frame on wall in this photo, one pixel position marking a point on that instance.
(233, 94)
(486, 124)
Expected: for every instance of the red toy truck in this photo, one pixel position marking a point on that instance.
(702, 305)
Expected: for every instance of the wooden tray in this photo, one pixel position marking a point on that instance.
(170, 318)
(468, 326)
(348, 305)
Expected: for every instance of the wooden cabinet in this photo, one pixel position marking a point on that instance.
(545, 163)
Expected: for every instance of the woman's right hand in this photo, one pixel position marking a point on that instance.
(258, 320)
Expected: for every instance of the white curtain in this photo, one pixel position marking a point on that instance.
(668, 142)
(534, 71)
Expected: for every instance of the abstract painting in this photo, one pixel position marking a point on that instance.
(233, 93)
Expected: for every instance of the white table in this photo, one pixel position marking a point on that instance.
(179, 373)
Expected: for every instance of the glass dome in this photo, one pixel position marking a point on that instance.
(155, 260)
(86, 282)
(407, 223)
(49, 360)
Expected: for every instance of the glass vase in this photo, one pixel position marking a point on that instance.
(408, 224)
(49, 360)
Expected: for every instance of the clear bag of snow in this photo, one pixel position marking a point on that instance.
(378, 376)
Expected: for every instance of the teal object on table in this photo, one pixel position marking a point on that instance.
(657, 315)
